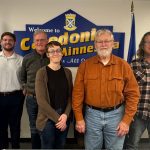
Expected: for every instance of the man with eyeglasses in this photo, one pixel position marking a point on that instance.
(141, 69)
(106, 85)
(31, 64)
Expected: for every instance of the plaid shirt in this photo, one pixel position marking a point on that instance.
(141, 71)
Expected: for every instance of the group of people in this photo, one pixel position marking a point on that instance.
(115, 95)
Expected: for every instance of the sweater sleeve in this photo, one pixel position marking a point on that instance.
(42, 97)
(68, 107)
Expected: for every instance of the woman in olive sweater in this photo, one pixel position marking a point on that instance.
(53, 88)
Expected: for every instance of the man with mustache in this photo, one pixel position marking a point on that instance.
(106, 85)
(11, 96)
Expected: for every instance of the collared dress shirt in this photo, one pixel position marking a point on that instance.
(105, 86)
(141, 71)
(9, 72)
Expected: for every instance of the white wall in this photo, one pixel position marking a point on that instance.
(15, 14)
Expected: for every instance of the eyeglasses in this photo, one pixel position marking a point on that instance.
(52, 51)
(147, 42)
(39, 40)
(105, 42)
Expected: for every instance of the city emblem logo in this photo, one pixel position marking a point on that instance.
(70, 22)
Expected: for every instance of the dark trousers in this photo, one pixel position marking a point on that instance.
(11, 107)
(32, 109)
(137, 127)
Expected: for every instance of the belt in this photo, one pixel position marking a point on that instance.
(106, 109)
(9, 93)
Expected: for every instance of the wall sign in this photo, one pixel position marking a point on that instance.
(74, 32)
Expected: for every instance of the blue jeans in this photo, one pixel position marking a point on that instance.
(137, 128)
(102, 126)
(53, 138)
(32, 109)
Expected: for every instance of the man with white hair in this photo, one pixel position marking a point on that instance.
(107, 86)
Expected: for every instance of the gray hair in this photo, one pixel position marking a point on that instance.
(102, 31)
(39, 32)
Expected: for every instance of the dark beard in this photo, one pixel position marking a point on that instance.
(9, 49)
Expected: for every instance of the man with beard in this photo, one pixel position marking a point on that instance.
(11, 96)
(107, 86)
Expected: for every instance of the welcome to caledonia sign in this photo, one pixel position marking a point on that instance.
(74, 32)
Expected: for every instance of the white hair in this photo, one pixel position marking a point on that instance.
(102, 31)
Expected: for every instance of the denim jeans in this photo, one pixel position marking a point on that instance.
(102, 126)
(11, 107)
(32, 109)
(53, 138)
(137, 128)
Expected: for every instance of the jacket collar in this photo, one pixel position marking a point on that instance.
(37, 54)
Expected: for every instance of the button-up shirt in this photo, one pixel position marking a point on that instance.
(9, 72)
(105, 86)
(142, 73)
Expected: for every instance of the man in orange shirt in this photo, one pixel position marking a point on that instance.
(107, 86)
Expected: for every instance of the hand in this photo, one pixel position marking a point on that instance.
(62, 122)
(80, 126)
(122, 129)
(24, 92)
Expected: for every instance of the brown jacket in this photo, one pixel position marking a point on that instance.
(105, 86)
(45, 111)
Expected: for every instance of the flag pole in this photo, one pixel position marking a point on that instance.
(132, 13)
(132, 46)
(132, 8)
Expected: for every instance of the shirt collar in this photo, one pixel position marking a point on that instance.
(12, 56)
(1, 54)
(111, 62)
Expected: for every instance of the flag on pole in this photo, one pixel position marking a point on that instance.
(132, 45)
